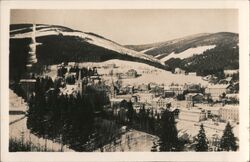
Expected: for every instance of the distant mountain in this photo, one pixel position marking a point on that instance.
(59, 44)
(202, 53)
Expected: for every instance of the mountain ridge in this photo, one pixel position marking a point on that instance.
(59, 44)
(62, 44)
(203, 53)
(142, 47)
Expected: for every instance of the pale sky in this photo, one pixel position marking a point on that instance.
(138, 26)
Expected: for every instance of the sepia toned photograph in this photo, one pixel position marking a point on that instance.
(139, 80)
(146, 83)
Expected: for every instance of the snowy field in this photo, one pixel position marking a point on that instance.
(192, 129)
(148, 73)
(19, 129)
(188, 53)
(132, 140)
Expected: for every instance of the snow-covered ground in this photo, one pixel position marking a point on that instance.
(188, 53)
(132, 140)
(148, 73)
(18, 128)
(192, 128)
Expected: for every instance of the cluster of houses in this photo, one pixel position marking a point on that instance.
(188, 99)
(74, 80)
(193, 102)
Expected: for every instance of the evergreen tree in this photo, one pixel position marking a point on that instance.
(130, 112)
(202, 140)
(168, 132)
(228, 140)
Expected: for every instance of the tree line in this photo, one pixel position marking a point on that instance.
(65, 118)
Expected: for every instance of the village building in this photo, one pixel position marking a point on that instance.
(144, 97)
(172, 90)
(157, 90)
(192, 88)
(195, 115)
(182, 104)
(211, 110)
(179, 71)
(127, 89)
(160, 102)
(229, 113)
(132, 73)
(194, 97)
(217, 90)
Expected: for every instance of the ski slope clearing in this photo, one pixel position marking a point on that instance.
(188, 53)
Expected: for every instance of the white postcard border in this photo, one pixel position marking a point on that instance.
(241, 155)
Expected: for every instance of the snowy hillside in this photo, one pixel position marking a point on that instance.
(148, 74)
(47, 30)
(59, 44)
(205, 53)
